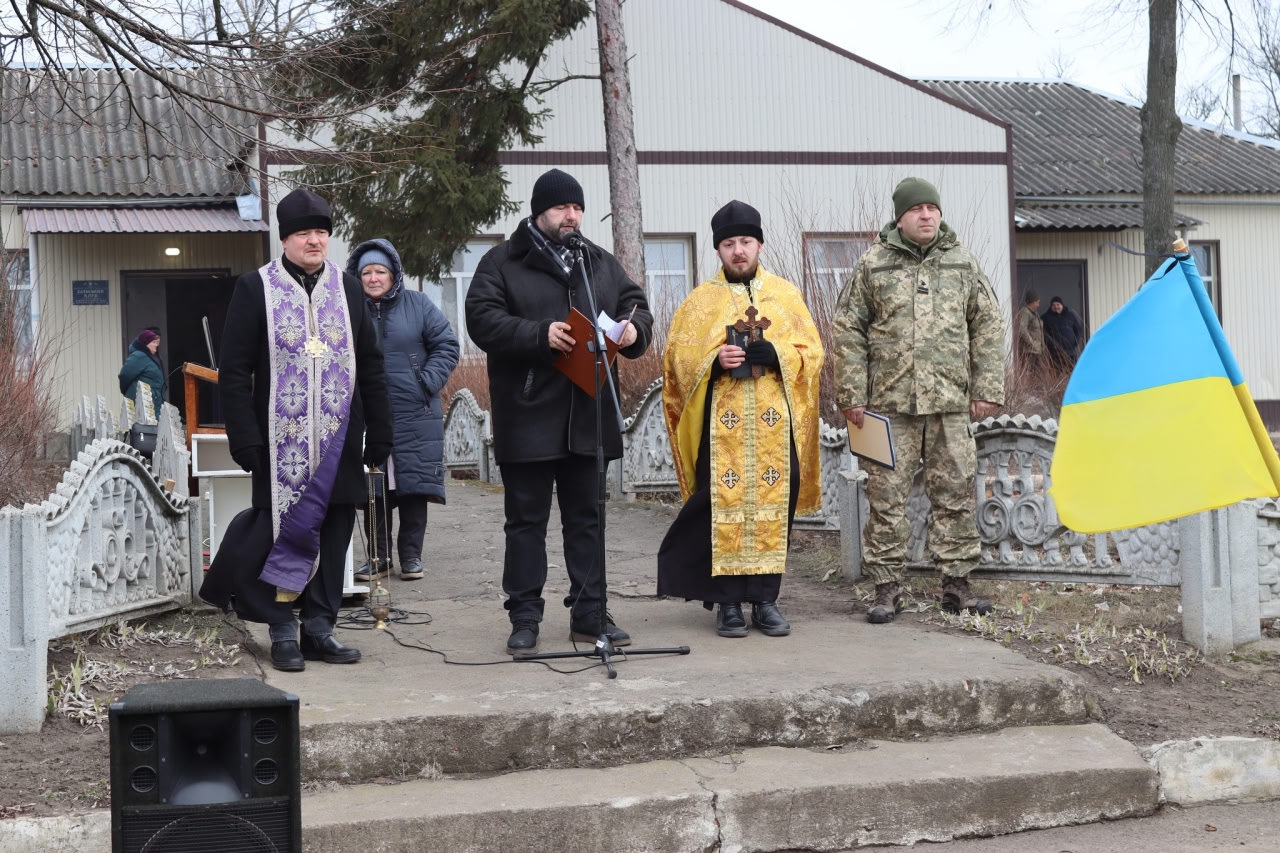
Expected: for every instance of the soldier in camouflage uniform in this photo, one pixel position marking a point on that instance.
(919, 337)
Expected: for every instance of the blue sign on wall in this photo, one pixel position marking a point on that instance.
(89, 293)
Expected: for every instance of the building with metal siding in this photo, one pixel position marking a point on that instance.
(97, 186)
(1078, 188)
(731, 103)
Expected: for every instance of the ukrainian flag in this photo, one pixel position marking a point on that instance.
(1157, 422)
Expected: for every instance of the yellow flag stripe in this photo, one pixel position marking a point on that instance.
(1156, 454)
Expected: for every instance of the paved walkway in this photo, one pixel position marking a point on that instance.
(462, 593)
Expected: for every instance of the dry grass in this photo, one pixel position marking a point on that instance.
(1133, 632)
(28, 410)
(101, 669)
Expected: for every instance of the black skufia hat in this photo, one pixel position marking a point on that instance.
(301, 210)
(736, 219)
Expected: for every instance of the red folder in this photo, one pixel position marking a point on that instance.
(580, 363)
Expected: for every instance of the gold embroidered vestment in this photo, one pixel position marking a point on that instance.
(752, 422)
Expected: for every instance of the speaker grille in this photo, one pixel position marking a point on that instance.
(143, 779)
(266, 772)
(259, 827)
(266, 730)
(142, 738)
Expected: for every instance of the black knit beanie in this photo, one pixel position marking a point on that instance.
(302, 210)
(736, 219)
(553, 188)
(913, 191)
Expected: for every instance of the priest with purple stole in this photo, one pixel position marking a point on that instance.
(306, 404)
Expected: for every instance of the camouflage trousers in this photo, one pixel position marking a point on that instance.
(946, 445)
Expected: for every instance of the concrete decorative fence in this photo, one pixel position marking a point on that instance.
(1227, 562)
(110, 543)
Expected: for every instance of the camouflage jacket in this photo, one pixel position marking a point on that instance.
(916, 335)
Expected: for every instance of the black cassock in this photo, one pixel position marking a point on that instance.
(684, 560)
(232, 580)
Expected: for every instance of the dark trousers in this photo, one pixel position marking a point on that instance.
(528, 506)
(413, 525)
(322, 595)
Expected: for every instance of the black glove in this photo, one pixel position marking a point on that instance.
(252, 458)
(762, 352)
(375, 455)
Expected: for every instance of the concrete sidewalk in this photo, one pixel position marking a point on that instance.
(834, 679)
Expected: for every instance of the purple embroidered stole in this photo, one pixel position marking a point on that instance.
(308, 417)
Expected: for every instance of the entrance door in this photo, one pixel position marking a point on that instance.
(1066, 280)
(175, 301)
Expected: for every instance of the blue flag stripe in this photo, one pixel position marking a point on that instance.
(1158, 338)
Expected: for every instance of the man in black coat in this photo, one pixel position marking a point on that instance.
(251, 352)
(544, 426)
(1063, 334)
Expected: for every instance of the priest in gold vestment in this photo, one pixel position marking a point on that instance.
(745, 447)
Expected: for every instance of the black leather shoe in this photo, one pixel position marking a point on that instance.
(286, 657)
(730, 622)
(767, 618)
(586, 628)
(411, 569)
(327, 649)
(523, 639)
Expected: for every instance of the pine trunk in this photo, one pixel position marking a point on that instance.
(1160, 129)
(620, 140)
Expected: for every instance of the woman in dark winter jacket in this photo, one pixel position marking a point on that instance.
(143, 364)
(420, 351)
(1063, 334)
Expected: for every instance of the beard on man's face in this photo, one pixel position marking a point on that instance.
(554, 233)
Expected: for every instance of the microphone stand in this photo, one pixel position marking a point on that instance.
(604, 648)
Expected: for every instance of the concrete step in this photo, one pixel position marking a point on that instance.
(767, 799)
(832, 681)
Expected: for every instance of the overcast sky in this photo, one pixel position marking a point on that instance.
(1102, 47)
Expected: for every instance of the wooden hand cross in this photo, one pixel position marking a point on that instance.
(753, 328)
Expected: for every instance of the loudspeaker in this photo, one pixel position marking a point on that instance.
(201, 765)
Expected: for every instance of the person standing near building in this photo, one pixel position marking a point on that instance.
(1063, 335)
(143, 365)
(919, 337)
(1030, 332)
(746, 448)
(544, 426)
(420, 351)
(306, 403)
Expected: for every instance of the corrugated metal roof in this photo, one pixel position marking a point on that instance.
(136, 220)
(84, 132)
(1071, 140)
(1088, 217)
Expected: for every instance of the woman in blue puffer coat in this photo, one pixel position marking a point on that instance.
(420, 351)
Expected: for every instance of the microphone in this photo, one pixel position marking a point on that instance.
(574, 240)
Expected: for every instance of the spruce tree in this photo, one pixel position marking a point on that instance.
(455, 77)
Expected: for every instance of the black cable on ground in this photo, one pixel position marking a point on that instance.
(360, 619)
